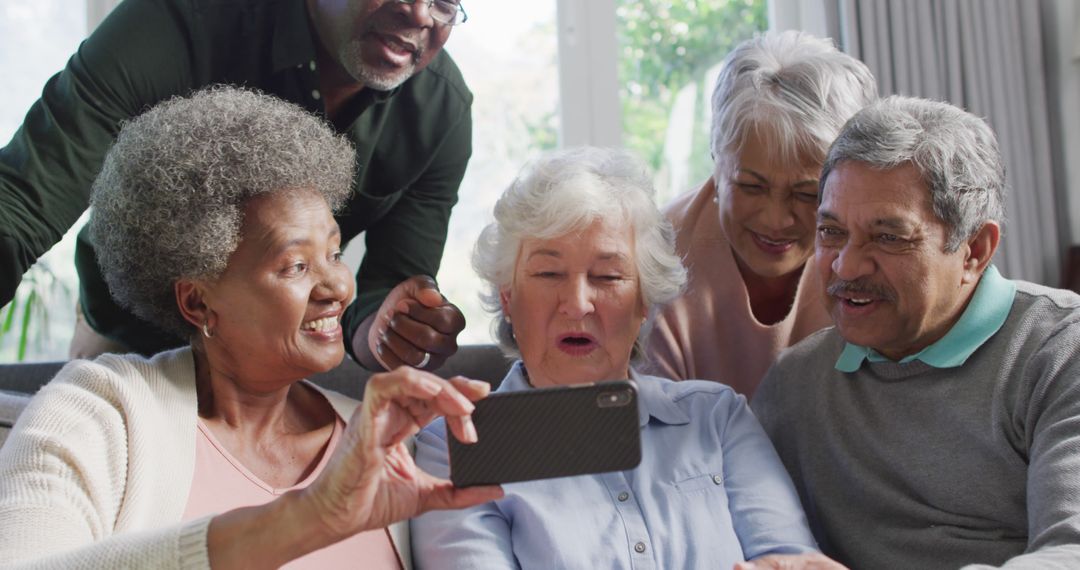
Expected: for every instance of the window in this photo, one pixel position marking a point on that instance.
(635, 73)
(508, 56)
(667, 60)
(509, 60)
(36, 39)
(669, 57)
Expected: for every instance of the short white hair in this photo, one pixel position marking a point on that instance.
(794, 89)
(566, 191)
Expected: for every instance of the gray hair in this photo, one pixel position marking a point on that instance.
(168, 202)
(955, 152)
(566, 191)
(792, 87)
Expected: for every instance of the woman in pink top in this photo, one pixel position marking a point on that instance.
(746, 235)
(213, 218)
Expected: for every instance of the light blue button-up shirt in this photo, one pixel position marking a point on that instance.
(982, 318)
(710, 491)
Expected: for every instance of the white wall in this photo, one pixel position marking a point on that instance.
(96, 10)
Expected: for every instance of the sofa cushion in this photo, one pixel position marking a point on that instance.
(477, 361)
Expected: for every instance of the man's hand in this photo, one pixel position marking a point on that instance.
(371, 480)
(415, 326)
(814, 561)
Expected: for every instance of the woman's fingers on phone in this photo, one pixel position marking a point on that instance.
(471, 389)
(442, 494)
(404, 383)
(462, 427)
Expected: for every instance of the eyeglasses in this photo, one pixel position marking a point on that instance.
(445, 12)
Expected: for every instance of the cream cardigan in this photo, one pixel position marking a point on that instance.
(96, 471)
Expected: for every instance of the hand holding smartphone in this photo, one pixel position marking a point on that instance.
(550, 432)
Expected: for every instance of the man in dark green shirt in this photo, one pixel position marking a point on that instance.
(373, 68)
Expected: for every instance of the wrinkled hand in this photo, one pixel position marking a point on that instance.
(415, 323)
(814, 561)
(371, 481)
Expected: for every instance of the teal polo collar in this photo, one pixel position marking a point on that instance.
(984, 316)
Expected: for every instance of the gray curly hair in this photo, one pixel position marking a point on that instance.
(955, 152)
(168, 202)
(565, 191)
(794, 88)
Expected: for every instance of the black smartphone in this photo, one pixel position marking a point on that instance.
(550, 432)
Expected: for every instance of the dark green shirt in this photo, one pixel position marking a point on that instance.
(412, 143)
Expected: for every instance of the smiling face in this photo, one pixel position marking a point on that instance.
(767, 208)
(575, 305)
(880, 256)
(276, 310)
(380, 43)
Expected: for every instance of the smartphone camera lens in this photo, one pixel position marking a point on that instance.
(614, 399)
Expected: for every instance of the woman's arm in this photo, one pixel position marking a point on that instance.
(77, 487)
(763, 503)
(62, 485)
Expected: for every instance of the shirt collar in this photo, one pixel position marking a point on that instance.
(984, 316)
(653, 401)
(294, 42)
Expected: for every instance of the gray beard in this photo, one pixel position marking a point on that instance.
(374, 78)
(383, 81)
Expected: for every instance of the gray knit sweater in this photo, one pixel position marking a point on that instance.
(909, 466)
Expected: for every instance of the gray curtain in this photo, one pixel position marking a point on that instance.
(987, 57)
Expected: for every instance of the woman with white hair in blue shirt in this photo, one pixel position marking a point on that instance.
(578, 260)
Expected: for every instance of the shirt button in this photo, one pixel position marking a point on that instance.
(311, 65)
(315, 94)
(623, 496)
(639, 547)
(717, 479)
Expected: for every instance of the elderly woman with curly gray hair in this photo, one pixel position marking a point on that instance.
(214, 220)
(578, 261)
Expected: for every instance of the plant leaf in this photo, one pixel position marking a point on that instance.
(24, 334)
(10, 319)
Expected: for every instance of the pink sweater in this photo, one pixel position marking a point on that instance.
(710, 332)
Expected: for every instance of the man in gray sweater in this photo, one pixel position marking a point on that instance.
(937, 425)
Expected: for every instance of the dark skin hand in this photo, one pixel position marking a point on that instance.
(414, 320)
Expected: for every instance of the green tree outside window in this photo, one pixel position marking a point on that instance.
(670, 51)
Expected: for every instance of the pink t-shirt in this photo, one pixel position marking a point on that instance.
(710, 332)
(221, 483)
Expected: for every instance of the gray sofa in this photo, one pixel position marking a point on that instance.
(18, 382)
